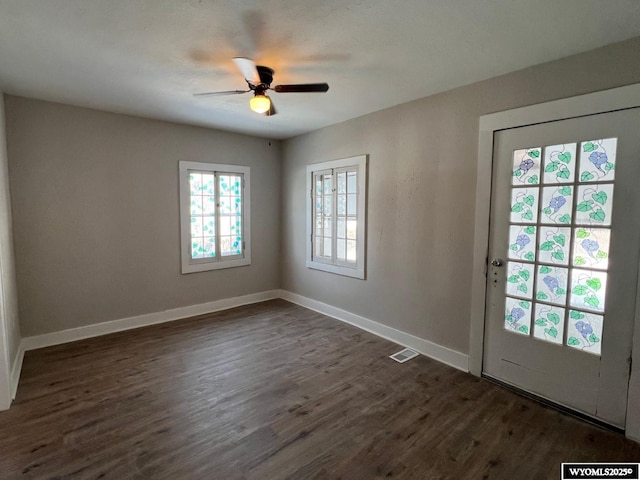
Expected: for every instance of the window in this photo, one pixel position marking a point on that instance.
(214, 216)
(336, 215)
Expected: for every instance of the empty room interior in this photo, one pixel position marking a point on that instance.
(220, 221)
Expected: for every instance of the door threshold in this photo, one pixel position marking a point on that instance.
(556, 406)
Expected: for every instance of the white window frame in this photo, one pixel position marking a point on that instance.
(189, 264)
(333, 265)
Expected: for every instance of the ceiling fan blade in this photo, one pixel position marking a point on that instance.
(226, 92)
(248, 69)
(304, 87)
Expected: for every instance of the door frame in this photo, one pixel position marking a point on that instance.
(5, 361)
(5, 369)
(620, 98)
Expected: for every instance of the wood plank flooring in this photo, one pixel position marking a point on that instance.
(275, 391)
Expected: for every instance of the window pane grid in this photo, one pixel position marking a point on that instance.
(211, 220)
(347, 215)
(203, 244)
(335, 215)
(230, 211)
(323, 198)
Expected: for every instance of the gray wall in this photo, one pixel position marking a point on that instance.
(95, 214)
(422, 174)
(95, 204)
(9, 293)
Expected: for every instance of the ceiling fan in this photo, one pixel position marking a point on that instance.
(259, 78)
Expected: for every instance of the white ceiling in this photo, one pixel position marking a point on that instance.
(147, 57)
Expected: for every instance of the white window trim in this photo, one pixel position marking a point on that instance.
(190, 265)
(356, 270)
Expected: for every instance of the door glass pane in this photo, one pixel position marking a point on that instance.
(591, 247)
(553, 245)
(520, 279)
(524, 205)
(526, 166)
(549, 323)
(559, 163)
(556, 206)
(588, 288)
(552, 284)
(522, 242)
(598, 160)
(585, 331)
(594, 204)
(517, 317)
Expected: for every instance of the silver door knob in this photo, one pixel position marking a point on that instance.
(496, 262)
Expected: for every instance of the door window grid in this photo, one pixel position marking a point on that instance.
(553, 230)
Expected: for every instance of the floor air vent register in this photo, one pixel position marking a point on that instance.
(404, 355)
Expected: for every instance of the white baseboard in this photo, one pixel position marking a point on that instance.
(15, 371)
(442, 354)
(98, 329)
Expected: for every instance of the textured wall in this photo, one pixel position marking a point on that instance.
(422, 175)
(95, 214)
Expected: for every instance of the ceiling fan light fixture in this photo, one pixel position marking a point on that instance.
(260, 103)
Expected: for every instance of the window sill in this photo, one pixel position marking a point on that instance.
(206, 266)
(338, 270)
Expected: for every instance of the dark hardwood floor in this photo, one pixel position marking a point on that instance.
(275, 391)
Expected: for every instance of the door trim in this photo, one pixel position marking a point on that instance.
(589, 104)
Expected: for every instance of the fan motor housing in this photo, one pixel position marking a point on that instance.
(266, 74)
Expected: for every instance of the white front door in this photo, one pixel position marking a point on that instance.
(564, 242)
